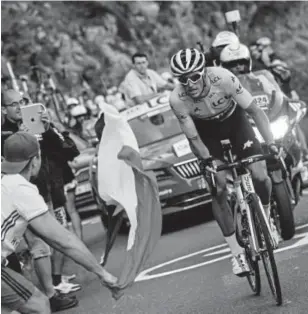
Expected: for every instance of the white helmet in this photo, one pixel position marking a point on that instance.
(225, 38)
(187, 61)
(72, 101)
(235, 52)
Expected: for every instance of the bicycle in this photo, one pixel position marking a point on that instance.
(250, 221)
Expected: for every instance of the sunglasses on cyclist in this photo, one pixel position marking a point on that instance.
(14, 104)
(233, 64)
(193, 78)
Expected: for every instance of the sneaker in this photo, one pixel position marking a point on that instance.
(274, 232)
(67, 287)
(67, 278)
(239, 265)
(59, 302)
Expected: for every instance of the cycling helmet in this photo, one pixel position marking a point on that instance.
(225, 38)
(187, 61)
(235, 52)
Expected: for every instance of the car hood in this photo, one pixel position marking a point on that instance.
(154, 156)
(162, 154)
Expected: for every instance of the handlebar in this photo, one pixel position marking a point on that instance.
(237, 164)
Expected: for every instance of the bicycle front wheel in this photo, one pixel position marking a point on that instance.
(266, 248)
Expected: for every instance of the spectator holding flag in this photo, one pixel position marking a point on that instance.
(123, 182)
(22, 204)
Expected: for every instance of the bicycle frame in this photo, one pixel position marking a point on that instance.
(243, 187)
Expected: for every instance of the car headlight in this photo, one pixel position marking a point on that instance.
(280, 127)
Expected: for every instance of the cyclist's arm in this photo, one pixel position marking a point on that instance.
(188, 127)
(261, 121)
(245, 100)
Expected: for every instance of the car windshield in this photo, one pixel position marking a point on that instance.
(154, 127)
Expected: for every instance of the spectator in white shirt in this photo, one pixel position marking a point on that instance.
(142, 84)
(23, 207)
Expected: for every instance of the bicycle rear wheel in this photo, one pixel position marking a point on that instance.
(266, 248)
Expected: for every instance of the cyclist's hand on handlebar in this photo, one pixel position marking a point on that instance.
(207, 165)
(273, 149)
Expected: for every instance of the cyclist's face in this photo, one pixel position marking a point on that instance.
(12, 102)
(141, 64)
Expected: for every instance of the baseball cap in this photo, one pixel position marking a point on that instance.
(18, 149)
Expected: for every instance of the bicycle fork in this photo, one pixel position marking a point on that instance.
(248, 187)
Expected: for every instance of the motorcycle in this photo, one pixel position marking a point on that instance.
(288, 173)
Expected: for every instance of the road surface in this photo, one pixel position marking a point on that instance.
(190, 272)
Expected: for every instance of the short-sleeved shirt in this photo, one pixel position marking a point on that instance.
(226, 92)
(261, 84)
(139, 85)
(20, 203)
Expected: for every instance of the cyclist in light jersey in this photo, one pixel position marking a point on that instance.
(210, 104)
(236, 58)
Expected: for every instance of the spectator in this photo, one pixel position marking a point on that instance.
(88, 103)
(76, 114)
(21, 202)
(265, 58)
(142, 84)
(11, 101)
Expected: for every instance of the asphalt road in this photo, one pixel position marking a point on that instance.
(190, 272)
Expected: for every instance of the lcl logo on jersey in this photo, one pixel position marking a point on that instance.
(220, 101)
(215, 79)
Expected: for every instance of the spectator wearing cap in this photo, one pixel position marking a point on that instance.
(142, 84)
(22, 204)
(11, 101)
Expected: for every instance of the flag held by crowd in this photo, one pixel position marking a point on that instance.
(123, 182)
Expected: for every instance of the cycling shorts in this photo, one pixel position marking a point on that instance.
(236, 128)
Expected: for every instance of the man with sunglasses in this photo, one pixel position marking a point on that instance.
(210, 104)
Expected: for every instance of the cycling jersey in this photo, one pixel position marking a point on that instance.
(262, 86)
(226, 92)
(219, 115)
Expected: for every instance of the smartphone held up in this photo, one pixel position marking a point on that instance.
(32, 117)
